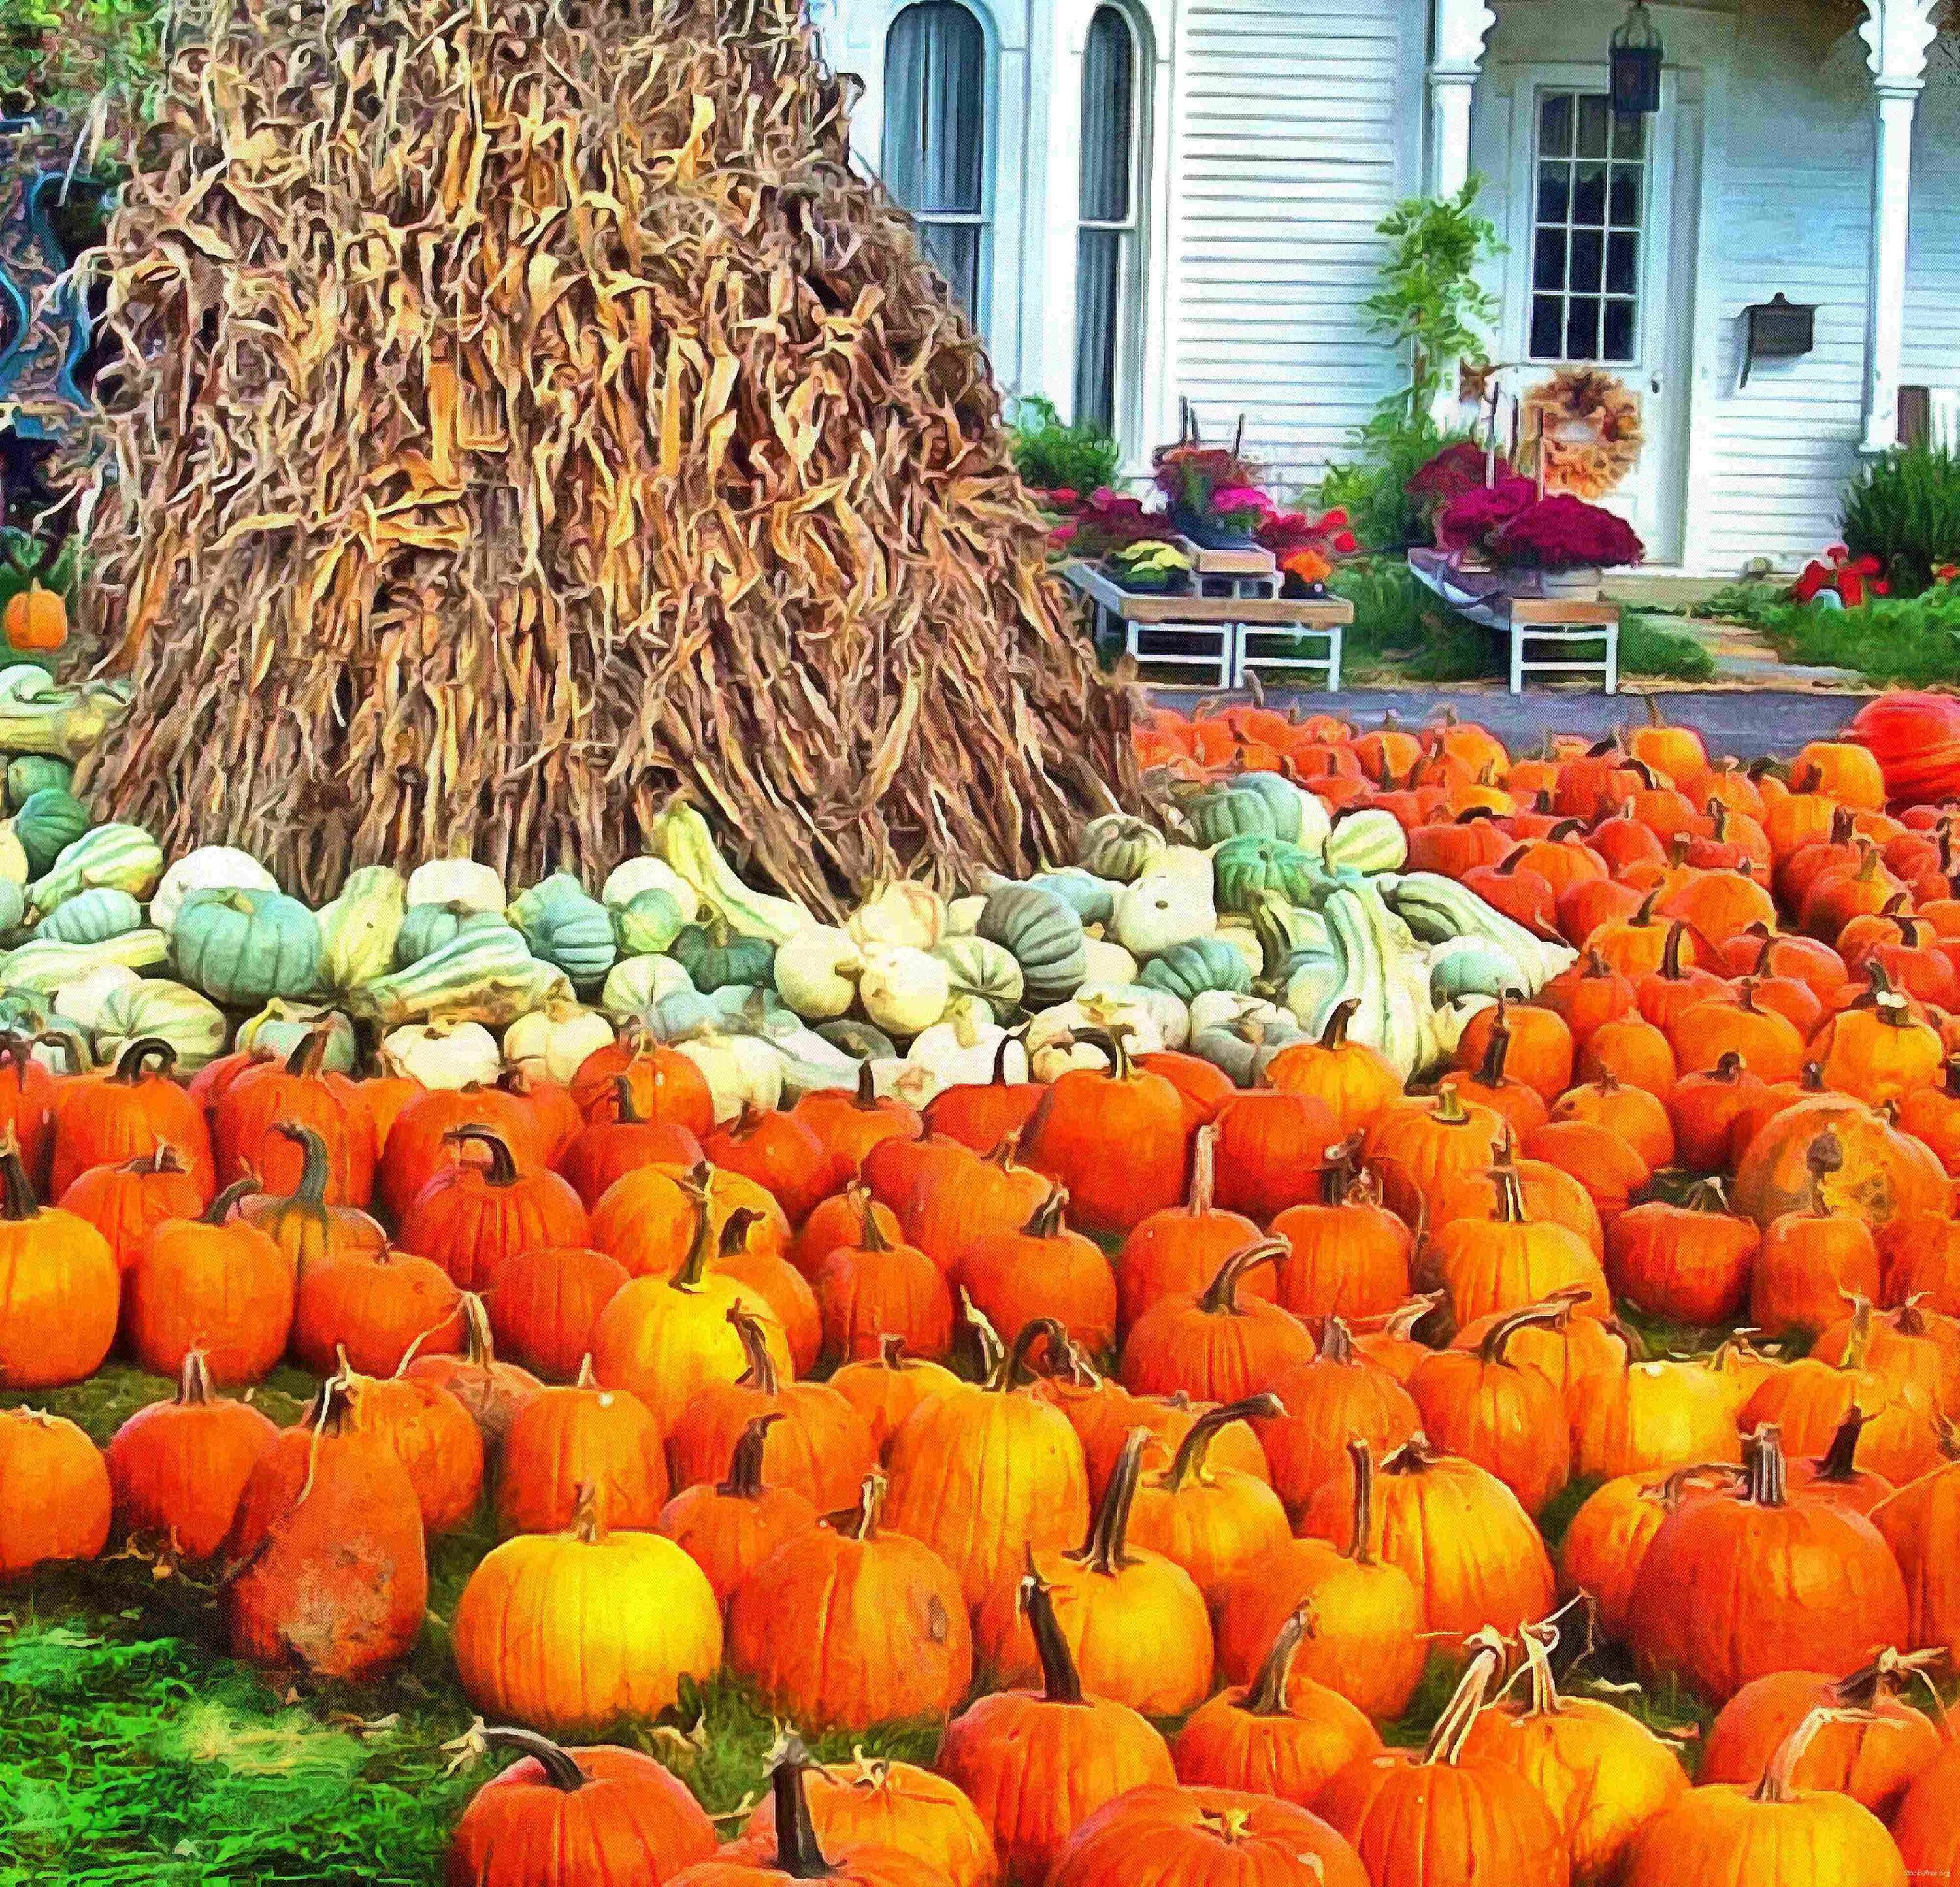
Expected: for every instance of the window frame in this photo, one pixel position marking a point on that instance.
(1576, 92)
(981, 219)
(1132, 231)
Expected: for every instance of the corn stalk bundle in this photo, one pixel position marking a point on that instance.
(527, 414)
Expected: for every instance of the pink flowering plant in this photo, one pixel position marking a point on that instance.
(1563, 532)
(1470, 519)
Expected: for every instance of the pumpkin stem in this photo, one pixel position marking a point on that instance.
(1400, 1323)
(130, 1064)
(870, 1235)
(1360, 1548)
(1003, 1153)
(1858, 1339)
(479, 1346)
(1193, 1452)
(865, 1098)
(744, 1458)
(220, 1208)
(1889, 1675)
(1670, 956)
(861, 1522)
(1538, 1640)
(588, 1515)
(194, 1380)
(560, 1766)
(1768, 1475)
(1204, 1171)
(761, 1373)
(1708, 1195)
(1449, 1111)
(1048, 1222)
(999, 1077)
(1552, 1315)
(1334, 1034)
(1268, 1694)
(892, 1350)
(798, 1854)
(1106, 1549)
(1824, 1156)
(1510, 1187)
(1114, 1043)
(1343, 1168)
(734, 1239)
(503, 1169)
(626, 1110)
(1779, 1780)
(308, 1054)
(1839, 1462)
(1222, 1298)
(314, 1168)
(1061, 1683)
(16, 1191)
(1496, 1051)
(1012, 1369)
(694, 1266)
(1452, 1728)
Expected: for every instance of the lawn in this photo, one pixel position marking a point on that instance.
(1913, 642)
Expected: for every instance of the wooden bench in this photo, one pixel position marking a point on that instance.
(1524, 619)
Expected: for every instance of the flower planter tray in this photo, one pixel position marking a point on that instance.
(1505, 603)
(1229, 636)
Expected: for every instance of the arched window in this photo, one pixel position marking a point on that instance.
(935, 138)
(1109, 277)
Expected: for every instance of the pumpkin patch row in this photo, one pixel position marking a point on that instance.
(1106, 1383)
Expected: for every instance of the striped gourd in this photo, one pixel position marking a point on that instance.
(485, 976)
(124, 857)
(45, 965)
(191, 1023)
(91, 917)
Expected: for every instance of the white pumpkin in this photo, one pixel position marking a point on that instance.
(636, 875)
(554, 1041)
(14, 855)
(449, 1055)
(912, 1082)
(1163, 908)
(1107, 962)
(816, 973)
(905, 990)
(1173, 1020)
(1239, 933)
(960, 1051)
(1220, 1009)
(82, 1001)
(209, 868)
(457, 881)
(737, 1068)
(962, 916)
(1315, 822)
(1190, 863)
(1090, 1009)
(635, 983)
(900, 914)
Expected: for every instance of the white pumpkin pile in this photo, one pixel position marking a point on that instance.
(1255, 934)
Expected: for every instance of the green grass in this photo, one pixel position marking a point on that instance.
(1915, 641)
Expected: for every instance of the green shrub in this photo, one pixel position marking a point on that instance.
(1904, 509)
(1051, 457)
(1373, 491)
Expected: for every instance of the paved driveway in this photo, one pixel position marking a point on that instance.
(1744, 723)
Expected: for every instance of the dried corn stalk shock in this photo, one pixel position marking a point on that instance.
(525, 413)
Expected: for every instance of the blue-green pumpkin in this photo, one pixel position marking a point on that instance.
(1246, 871)
(13, 906)
(27, 774)
(568, 928)
(714, 954)
(1043, 934)
(1222, 813)
(648, 923)
(91, 917)
(1282, 799)
(48, 822)
(242, 948)
(1187, 970)
(1092, 899)
(426, 929)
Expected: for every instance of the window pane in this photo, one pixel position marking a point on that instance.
(1582, 329)
(1548, 326)
(1629, 134)
(935, 110)
(1588, 259)
(954, 248)
(1554, 193)
(1588, 195)
(1098, 284)
(1109, 68)
(1554, 136)
(1627, 179)
(1622, 263)
(1619, 331)
(1595, 114)
(1548, 270)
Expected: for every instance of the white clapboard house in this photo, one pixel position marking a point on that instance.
(1145, 201)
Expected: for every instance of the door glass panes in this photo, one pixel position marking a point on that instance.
(1591, 207)
(935, 139)
(1106, 282)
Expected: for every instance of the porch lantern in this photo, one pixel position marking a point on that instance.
(1638, 58)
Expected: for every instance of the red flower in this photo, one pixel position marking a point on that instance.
(1564, 532)
(1468, 519)
(1454, 470)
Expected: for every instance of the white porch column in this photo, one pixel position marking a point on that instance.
(1897, 35)
(1462, 27)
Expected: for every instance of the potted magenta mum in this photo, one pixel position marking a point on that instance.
(1468, 521)
(1568, 542)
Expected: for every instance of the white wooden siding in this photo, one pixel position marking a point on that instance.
(1295, 136)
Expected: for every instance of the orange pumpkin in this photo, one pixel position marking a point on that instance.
(1507, 1418)
(36, 619)
(1690, 1263)
(1348, 1255)
(1810, 1260)
(1353, 1080)
(1215, 1346)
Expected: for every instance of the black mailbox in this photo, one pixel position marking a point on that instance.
(1777, 330)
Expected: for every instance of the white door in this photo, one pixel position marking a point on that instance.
(1593, 236)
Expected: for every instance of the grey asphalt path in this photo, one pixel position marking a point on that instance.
(1746, 723)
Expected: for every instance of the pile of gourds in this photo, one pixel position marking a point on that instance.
(1058, 1408)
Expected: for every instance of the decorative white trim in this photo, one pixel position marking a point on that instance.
(1462, 27)
(1898, 34)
